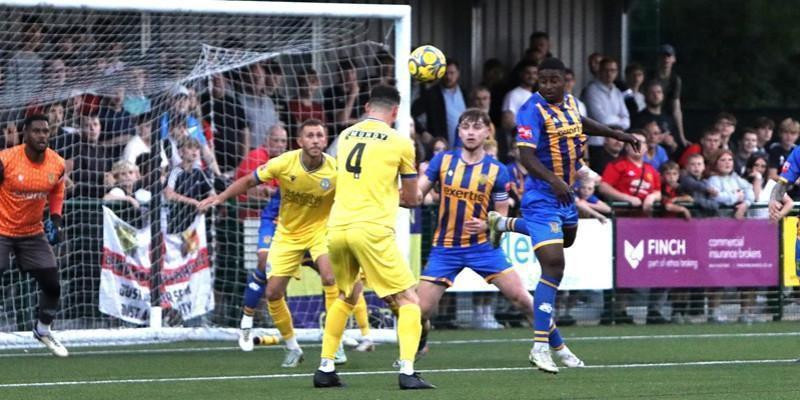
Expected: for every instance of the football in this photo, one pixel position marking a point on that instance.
(427, 64)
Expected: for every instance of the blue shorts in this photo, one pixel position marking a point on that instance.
(444, 263)
(546, 220)
(266, 231)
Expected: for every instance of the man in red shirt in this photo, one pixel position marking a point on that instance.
(632, 180)
(32, 175)
(709, 145)
(274, 146)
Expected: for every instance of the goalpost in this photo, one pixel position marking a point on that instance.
(142, 267)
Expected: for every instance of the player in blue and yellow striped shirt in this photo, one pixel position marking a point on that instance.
(472, 182)
(550, 136)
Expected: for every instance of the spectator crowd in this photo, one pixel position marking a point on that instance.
(124, 144)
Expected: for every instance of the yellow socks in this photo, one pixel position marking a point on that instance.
(279, 311)
(331, 294)
(362, 317)
(409, 330)
(335, 323)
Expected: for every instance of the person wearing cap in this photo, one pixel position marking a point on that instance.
(179, 107)
(672, 84)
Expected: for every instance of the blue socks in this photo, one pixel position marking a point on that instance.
(543, 306)
(256, 284)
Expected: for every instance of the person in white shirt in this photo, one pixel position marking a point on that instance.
(605, 103)
(140, 143)
(528, 84)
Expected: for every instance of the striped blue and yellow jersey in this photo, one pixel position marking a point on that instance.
(556, 132)
(466, 193)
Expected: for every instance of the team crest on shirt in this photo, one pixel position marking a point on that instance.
(292, 178)
(51, 178)
(786, 167)
(267, 239)
(20, 177)
(554, 227)
(483, 179)
(325, 183)
(525, 132)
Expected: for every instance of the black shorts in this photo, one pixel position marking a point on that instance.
(32, 252)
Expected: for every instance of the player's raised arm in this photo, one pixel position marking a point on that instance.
(240, 186)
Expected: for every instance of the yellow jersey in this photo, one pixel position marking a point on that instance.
(306, 196)
(371, 155)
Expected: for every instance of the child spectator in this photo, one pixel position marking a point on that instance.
(186, 186)
(588, 203)
(764, 128)
(671, 191)
(732, 189)
(788, 131)
(692, 183)
(126, 177)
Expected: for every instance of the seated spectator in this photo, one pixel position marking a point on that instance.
(117, 123)
(231, 134)
(725, 123)
(61, 137)
(304, 106)
(441, 105)
(693, 183)
(708, 147)
(569, 87)
(634, 98)
(341, 100)
(605, 103)
(135, 102)
(764, 129)
(593, 62)
(632, 180)
(671, 192)
(654, 111)
(528, 78)
(732, 189)
(788, 131)
(140, 143)
(612, 149)
(756, 174)
(748, 145)
(656, 155)
(186, 186)
(587, 203)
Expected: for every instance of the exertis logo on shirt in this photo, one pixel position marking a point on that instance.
(464, 194)
(525, 132)
(300, 198)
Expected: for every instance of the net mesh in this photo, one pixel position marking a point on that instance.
(125, 93)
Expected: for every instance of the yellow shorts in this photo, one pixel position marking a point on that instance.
(375, 251)
(286, 254)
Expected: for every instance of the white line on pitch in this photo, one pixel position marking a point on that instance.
(390, 372)
(38, 353)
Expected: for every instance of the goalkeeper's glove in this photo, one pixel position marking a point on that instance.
(52, 229)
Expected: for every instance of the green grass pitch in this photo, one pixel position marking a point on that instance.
(665, 362)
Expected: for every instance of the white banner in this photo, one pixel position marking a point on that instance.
(125, 275)
(186, 283)
(588, 261)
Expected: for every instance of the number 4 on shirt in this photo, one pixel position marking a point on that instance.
(353, 163)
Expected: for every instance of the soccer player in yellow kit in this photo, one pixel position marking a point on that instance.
(307, 178)
(371, 156)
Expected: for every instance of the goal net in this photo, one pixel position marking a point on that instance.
(153, 109)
